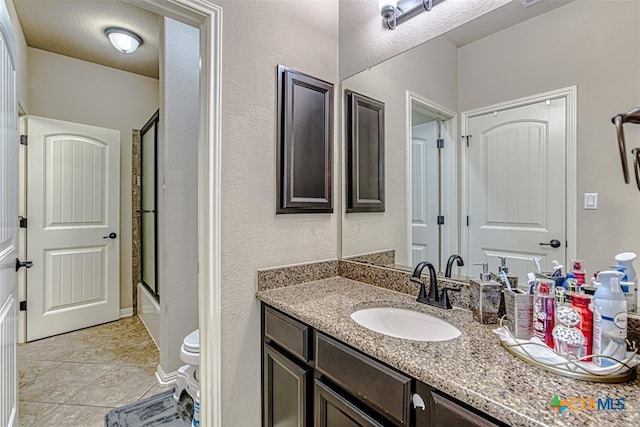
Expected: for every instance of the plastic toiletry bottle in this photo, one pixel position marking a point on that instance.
(625, 260)
(577, 268)
(580, 303)
(544, 311)
(195, 421)
(609, 319)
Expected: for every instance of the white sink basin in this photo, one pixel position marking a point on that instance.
(407, 324)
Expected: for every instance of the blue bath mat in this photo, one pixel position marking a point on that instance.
(158, 410)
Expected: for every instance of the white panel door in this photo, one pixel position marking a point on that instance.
(425, 239)
(9, 142)
(73, 207)
(516, 186)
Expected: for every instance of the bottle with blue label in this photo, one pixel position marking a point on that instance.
(195, 422)
(609, 319)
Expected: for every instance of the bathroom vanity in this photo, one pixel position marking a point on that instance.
(320, 381)
(323, 369)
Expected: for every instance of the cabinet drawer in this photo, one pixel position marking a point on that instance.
(377, 385)
(287, 332)
(445, 412)
(331, 410)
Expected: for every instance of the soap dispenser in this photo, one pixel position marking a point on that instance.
(513, 280)
(485, 295)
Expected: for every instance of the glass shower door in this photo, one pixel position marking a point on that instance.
(148, 211)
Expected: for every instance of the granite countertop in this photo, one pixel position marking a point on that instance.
(473, 368)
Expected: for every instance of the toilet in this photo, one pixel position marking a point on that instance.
(188, 383)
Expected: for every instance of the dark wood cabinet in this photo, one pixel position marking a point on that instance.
(286, 388)
(446, 412)
(334, 410)
(310, 379)
(376, 385)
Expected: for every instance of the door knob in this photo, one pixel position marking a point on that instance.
(555, 243)
(110, 236)
(20, 264)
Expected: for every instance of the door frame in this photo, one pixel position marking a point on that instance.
(570, 94)
(207, 17)
(449, 238)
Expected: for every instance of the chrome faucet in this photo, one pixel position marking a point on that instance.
(433, 298)
(460, 262)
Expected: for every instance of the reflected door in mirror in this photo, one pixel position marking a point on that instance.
(516, 185)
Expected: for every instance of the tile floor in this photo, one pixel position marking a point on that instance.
(74, 379)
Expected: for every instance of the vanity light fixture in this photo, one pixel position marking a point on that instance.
(124, 40)
(395, 12)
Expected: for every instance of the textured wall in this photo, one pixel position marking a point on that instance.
(589, 44)
(388, 82)
(69, 89)
(178, 201)
(259, 35)
(364, 41)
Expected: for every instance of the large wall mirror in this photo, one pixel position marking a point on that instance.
(504, 124)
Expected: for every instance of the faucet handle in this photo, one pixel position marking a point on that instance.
(445, 297)
(422, 297)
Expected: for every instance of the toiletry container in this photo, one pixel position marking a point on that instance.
(568, 339)
(578, 271)
(544, 311)
(195, 421)
(626, 260)
(580, 303)
(513, 279)
(609, 319)
(485, 297)
(519, 307)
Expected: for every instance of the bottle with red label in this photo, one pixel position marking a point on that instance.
(544, 311)
(577, 268)
(580, 303)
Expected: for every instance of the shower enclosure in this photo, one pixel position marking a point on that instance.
(148, 206)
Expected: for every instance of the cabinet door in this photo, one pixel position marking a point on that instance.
(285, 390)
(447, 413)
(333, 410)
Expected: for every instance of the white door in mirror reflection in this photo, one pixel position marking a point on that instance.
(516, 182)
(425, 239)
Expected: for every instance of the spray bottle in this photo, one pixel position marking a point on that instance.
(609, 319)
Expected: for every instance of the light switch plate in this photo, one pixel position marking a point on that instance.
(591, 200)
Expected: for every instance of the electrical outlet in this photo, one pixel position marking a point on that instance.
(591, 200)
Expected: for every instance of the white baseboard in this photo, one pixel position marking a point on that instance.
(126, 312)
(166, 378)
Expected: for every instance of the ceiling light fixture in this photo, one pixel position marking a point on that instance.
(396, 12)
(124, 40)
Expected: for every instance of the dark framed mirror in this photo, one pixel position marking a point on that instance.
(365, 153)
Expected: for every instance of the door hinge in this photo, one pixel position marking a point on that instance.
(468, 138)
(440, 142)
(467, 220)
(440, 219)
(23, 306)
(24, 139)
(23, 222)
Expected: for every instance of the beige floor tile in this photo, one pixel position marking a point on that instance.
(118, 387)
(144, 356)
(157, 389)
(110, 355)
(64, 381)
(30, 412)
(30, 369)
(75, 416)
